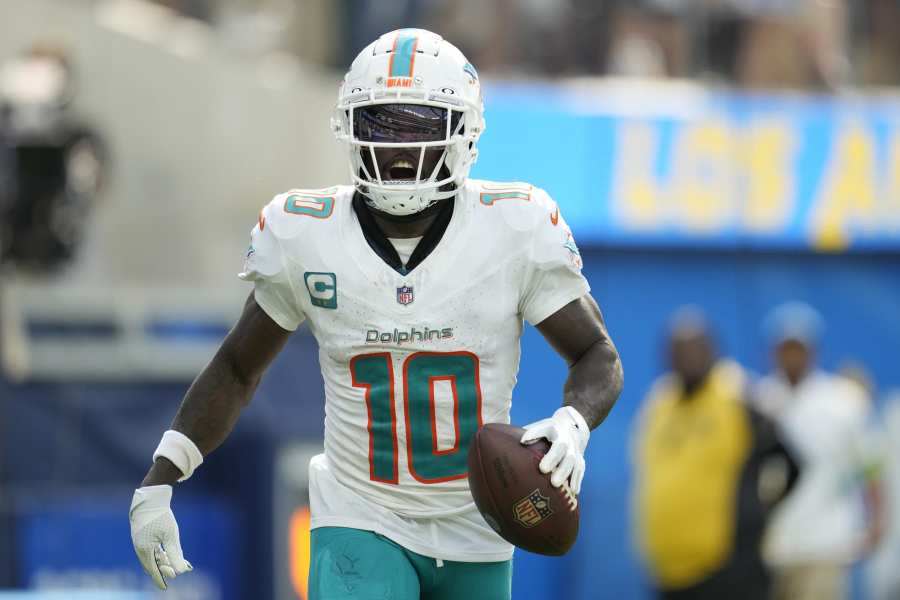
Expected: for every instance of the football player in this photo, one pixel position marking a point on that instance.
(415, 282)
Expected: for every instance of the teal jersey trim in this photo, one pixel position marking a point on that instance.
(488, 198)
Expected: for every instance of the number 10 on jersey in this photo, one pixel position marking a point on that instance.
(374, 373)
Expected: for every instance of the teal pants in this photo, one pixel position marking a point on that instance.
(361, 565)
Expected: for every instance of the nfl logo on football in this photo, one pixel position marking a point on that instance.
(405, 294)
(532, 509)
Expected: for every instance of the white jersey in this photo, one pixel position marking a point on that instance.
(824, 421)
(413, 363)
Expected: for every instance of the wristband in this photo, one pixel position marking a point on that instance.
(179, 449)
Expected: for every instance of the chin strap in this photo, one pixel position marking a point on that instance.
(433, 208)
(369, 190)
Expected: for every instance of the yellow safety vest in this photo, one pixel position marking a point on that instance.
(690, 455)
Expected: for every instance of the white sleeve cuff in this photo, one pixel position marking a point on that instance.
(179, 449)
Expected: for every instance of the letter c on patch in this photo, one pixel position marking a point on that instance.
(322, 288)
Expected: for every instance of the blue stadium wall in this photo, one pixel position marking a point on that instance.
(857, 294)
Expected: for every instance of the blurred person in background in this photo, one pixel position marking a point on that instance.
(7, 177)
(822, 528)
(57, 160)
(7, 535)
(486, 32)
(883, 574)
(196, 9)
(877, 51)
(366, 19)
(384, 271)
(793, 44)
(709, 470)
(649, 39)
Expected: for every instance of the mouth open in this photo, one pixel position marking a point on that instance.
(400, 169)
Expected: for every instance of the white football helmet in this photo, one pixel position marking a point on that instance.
(410, 89)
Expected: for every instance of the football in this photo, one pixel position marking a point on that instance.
(514, 497)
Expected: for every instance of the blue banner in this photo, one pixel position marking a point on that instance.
(677, 165)
(82, 543)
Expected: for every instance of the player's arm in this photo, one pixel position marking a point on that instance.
(556, 299)
(215, 399)
(206, 417)
(577, 332)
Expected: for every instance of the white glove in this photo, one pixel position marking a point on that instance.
(154, 534)
(568, 434)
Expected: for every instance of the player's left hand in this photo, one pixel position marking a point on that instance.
(568, 434)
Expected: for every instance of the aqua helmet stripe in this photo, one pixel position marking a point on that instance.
(404, 54)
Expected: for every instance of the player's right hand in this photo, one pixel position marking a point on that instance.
(154, 534)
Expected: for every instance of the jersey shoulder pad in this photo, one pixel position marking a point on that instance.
(283, 219)
(293, 211)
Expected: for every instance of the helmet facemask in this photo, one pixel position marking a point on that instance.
(407, 154)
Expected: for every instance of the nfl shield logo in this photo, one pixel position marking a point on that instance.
(532, 509)
(405, 294)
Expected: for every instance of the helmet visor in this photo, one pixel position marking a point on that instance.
(403, 123)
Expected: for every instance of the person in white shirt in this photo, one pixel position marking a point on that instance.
(823, 526)
(883, 577)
